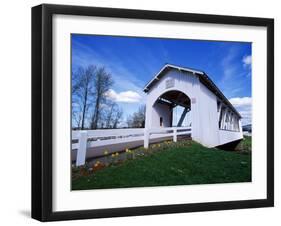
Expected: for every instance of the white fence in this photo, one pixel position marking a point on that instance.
(94, 138)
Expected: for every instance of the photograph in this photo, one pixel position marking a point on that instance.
(150, 111)
(140, 112)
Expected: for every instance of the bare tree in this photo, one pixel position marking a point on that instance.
(82, 90)
(111, 115)
(117, 117)
(102, 83)
(76, 115)
(89, 89)
(137, 120)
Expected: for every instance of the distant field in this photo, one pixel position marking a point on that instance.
(183, 163)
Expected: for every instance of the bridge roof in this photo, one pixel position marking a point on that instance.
(203, 77)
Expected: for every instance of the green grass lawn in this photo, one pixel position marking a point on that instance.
(175, 165)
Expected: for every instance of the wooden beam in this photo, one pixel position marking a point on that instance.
(183, 116)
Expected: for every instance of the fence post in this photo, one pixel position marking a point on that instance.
(146, 138)
(81, 152)
(175, 135)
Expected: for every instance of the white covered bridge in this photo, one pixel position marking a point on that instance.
(213, 119)
(206, 116)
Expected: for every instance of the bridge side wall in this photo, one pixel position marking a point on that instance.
(208, 117)
(226, 136)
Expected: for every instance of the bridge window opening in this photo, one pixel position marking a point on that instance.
(218, 105)
(221, 117)
(228, 120)
(161, 121)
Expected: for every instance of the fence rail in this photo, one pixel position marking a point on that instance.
(84, 139)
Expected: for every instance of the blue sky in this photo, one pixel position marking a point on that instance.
(133, 61)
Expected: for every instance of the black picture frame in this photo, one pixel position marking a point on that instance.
(42, 111)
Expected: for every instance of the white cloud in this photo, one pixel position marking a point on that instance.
(244, 106)
(126, 96)
(241, 101)
(247, 60)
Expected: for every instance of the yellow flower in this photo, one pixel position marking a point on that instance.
(117, 154)
(105, 152)
(127, 150)
(112, 155)
(97, 163)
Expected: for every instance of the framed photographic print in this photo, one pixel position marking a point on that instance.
(145, 112)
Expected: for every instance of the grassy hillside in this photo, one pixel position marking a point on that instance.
(183, 163)
(245, 146)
